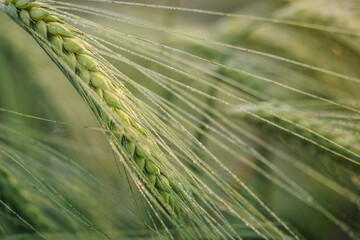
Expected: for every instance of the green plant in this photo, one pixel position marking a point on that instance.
(163, 105)
(40, 20)
(115, 108)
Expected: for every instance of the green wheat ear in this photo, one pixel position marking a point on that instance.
(13, 196)
(80, 63)
(330, 158)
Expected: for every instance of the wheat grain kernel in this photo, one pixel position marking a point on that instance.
(73, 45)
(151, 168)
(141, 152)
(152, 179)
(56, 28)
(25, 17)
(89, 63)
(51, 18)
(41, 29)
(84, 74)
(12, 11)
(123, 117)
(38, 13)
(70, 59)
(22, 3)
(140, 162)
(111, 99)
(97, 79)
(57, 44)
(31, 5)
(162, 183)
(129, 148)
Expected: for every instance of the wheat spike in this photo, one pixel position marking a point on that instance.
(46, 26)
(12, 198)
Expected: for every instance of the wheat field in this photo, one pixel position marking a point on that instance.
(171, 119)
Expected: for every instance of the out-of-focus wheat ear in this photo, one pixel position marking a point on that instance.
(13, 200)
